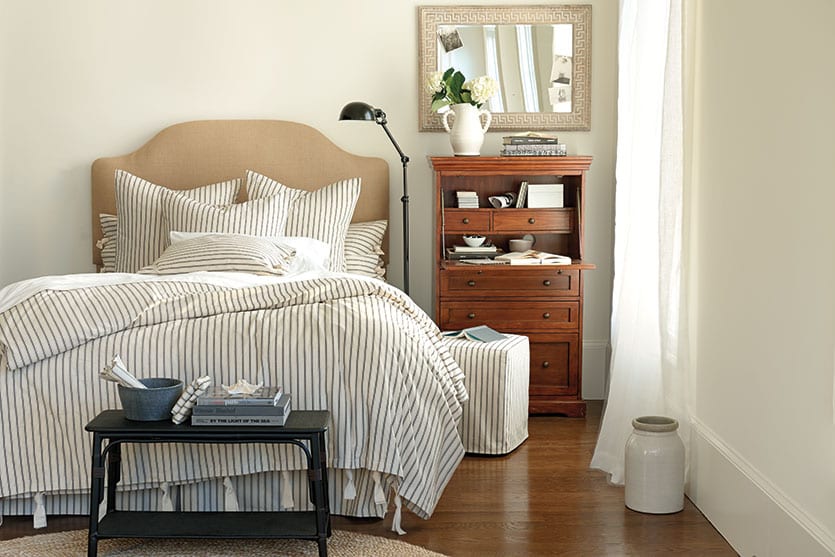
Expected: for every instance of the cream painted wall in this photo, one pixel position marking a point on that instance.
(93, 78)
(765, 273)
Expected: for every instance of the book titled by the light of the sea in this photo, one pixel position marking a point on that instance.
(481, 333)
(534, 257)
(239, 420)
(218, 396)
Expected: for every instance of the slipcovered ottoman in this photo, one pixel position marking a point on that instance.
(495, 419)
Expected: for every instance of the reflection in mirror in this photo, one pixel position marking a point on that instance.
(539, 55)
(531, 63)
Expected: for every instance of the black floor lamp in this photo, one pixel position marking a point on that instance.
(365, 112)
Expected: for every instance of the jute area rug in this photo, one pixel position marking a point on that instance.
(340, 544)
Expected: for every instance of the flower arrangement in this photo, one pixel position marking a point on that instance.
(451, 87)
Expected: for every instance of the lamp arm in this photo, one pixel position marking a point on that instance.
(380, 118)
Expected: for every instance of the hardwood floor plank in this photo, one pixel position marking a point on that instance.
(542, 499)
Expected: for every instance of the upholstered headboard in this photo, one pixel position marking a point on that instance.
(202, 152)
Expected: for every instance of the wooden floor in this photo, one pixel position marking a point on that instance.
(540, 500)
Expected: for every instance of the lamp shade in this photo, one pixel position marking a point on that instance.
(357, 111)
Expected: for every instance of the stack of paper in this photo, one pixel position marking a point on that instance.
(534, 257)
(467, 199)
(545, 195)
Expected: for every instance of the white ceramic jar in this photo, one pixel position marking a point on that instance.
(467, 132)
(654, 467)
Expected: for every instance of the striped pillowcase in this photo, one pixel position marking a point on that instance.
(363, 248)
(365, 264)
(258, 217)
(142, 236)
(366, 237)
(107, 244)
(323, 214)
(223, 252)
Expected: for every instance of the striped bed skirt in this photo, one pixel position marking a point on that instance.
(355, 492)
(495, 420)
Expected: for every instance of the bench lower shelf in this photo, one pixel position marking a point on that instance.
(135, 524)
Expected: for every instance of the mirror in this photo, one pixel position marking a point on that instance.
(539, 55)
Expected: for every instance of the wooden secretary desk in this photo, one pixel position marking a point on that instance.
(543, 302)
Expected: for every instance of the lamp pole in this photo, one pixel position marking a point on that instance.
(365, 112)
(380, 118)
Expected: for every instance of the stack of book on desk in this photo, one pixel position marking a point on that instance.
(468, 252)
(267, 406)
(529, 144)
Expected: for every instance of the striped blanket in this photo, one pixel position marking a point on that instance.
(354, 346)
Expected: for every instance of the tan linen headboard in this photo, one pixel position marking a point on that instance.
(196, 153)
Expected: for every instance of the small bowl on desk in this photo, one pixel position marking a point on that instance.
(474, 240)
(520, 244)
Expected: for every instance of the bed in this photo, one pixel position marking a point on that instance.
(336, 340)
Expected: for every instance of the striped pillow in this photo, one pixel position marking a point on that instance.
(223, 252)
(366, 237)
(363, 248)
(141, 235)
(107, 244)
(366, 264)
(323, 214)
(258, 217)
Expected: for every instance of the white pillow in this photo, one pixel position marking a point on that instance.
(311, 254)
(141, 235)
(224, 252)
(323, 214)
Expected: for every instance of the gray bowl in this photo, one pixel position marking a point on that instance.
(152, 404)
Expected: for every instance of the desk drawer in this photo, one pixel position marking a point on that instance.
(555, 369)
(510, 282)
(534, 220)
(467, 220)
(511, 316)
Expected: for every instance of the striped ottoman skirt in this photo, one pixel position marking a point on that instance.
(495, 419)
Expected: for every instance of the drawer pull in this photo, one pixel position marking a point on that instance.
(531, 220)
(471, 316)
(466, 221)
(546, 363)
(470, 283)
(546, 315)
(559, 271)
(546, 282)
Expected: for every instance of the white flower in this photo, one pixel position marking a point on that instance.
(481, 88)
(434, 83)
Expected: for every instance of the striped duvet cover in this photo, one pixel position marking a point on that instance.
(354, 346)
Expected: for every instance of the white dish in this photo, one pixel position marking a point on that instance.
(474, 240)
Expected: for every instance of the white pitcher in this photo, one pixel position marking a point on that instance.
(467, 133)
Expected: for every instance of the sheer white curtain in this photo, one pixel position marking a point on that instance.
(649, 373)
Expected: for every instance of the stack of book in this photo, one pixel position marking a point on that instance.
(267, 406)
(469, 252)
(467, 199)
(532, 144)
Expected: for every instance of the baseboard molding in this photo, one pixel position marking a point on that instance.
(595, 369)
(754, 515)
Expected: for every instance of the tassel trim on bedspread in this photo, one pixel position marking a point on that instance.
(166, 505)
(39, 517)
(287, 501)
(230, 498)
(398, 512)
(380, 499)
(349, 492)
